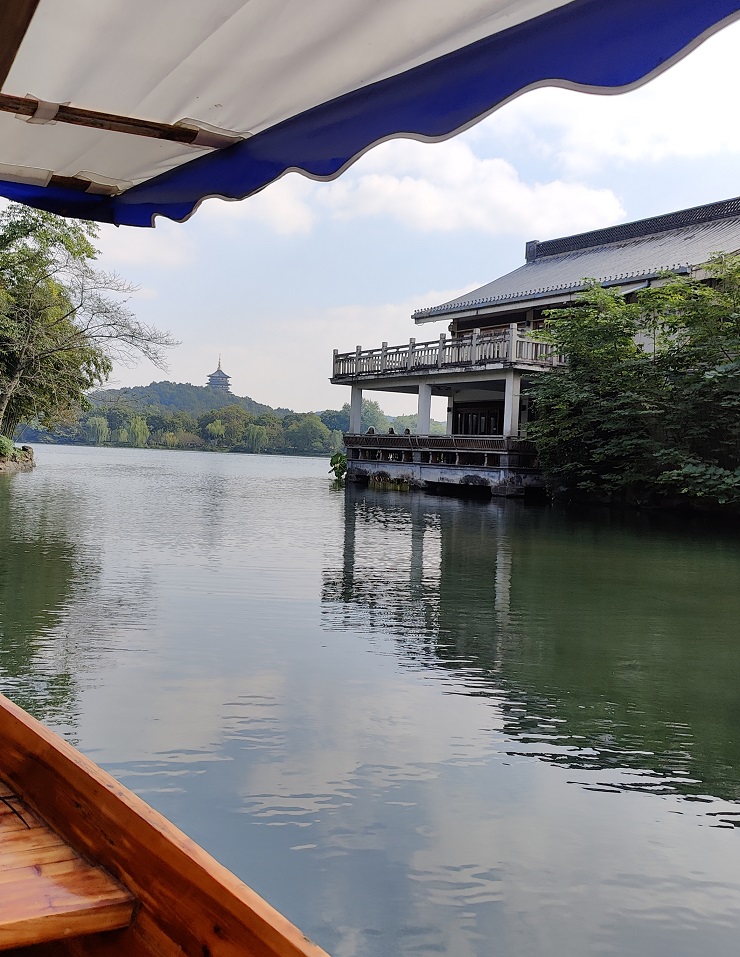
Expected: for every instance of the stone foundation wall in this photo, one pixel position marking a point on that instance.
(506, 481)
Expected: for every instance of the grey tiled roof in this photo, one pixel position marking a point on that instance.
(619, 255)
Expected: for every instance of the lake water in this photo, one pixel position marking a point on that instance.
(415, 725)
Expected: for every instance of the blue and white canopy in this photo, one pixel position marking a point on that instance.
(122, 110)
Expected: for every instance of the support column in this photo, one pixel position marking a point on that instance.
(410, 355)
(511, 402)
(449, 416)
(474, 346)
(424, 409)
(513, 339)
(355, 411)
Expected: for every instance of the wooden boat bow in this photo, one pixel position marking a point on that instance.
(142, 875)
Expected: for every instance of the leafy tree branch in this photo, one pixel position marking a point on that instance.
(63, 322)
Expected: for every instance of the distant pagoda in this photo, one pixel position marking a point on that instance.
(219, 380)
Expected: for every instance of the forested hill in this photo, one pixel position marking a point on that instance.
(196, 400)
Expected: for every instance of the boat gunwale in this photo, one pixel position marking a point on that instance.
(110, 825)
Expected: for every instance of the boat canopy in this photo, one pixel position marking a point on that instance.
(124, 111)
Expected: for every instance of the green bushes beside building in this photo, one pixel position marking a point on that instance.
(647, 408)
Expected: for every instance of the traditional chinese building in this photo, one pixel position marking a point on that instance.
(483, 359)
(219, 380)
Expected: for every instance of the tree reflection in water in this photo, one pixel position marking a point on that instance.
(37, 580)
(608, 643)
(55, 624)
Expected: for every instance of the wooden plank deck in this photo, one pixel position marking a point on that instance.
(47, 891)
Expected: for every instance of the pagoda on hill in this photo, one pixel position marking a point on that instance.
(218, 380)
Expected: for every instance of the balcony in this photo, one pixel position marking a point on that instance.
(499, 464)
(497, 350)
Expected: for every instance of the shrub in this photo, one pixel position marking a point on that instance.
(7, 449)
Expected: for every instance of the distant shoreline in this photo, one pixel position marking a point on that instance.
(293, 453)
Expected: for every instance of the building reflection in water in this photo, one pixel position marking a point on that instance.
(609, 645)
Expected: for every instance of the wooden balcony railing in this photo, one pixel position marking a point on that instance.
(512, 347)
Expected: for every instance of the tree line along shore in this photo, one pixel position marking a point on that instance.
(169, 415)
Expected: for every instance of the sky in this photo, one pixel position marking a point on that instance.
(274, 283)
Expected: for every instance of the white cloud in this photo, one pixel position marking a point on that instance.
(168, 245)
(453, 187)
(442, 187)
(681, 114)
(283, 206)
(428, 187)
(446, 187)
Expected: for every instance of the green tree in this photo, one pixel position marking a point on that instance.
(307, 433)
(256, 438)
(235, 420)
(697, 327)
(401, 422)
(184, 422)
(215, 431)
(336, 419)
(158, 421)
(96, 429)
(595, 415)
(372, 416)
(118, 418)
(273, 424)
(138, 432)
(232, 418)
(62, 322)
(648, 404)
(190, 440)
